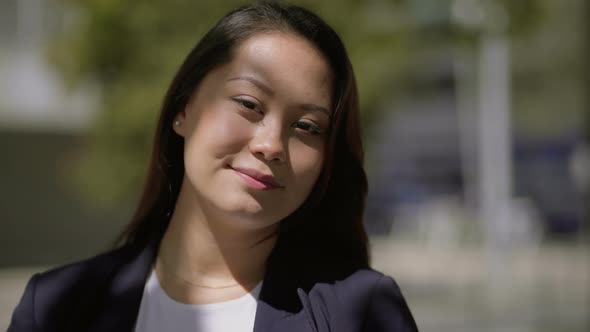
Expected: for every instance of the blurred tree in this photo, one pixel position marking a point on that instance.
(131, 49)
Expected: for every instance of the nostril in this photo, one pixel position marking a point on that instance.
(268, 150)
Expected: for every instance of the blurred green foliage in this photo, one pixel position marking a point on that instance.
(132, 49)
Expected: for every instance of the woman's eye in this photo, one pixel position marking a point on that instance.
(309, 127)
(247, 104)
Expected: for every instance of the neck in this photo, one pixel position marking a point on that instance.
(201, 250)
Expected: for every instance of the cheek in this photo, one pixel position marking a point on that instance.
(220, 133)
(307, 164)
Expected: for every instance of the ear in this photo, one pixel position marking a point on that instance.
(179, 124)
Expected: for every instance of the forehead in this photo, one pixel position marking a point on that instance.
(287, 63)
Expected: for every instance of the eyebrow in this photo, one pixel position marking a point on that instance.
(266, 89)
(316, 108)
(263, 87)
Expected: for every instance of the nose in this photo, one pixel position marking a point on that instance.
(268, 143)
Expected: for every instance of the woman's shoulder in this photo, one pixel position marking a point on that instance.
(52, 295)
(83, 272)
(366, 298)
(359, 285)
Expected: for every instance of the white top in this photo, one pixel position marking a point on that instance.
(158, 312)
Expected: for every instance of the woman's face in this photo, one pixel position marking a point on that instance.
(255, 131)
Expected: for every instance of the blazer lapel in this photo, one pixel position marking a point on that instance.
(279, 306)
(123, 293)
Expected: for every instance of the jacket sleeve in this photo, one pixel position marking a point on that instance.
(388, 310)
(23, 317)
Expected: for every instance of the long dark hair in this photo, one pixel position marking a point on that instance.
(329, 224)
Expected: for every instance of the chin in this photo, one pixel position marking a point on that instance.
(248, 210)
(255, 218)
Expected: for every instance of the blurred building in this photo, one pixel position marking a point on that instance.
(32, 94)
(427, 144)
(42, 126)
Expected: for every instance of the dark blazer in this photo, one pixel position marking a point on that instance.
(104, 294)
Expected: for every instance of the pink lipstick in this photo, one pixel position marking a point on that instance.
(256, 179)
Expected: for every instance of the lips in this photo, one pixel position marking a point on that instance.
(256, 179)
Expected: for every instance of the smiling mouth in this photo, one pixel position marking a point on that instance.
(257, 180)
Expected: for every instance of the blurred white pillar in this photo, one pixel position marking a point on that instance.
(487, 148)
(486, 140)
(494, 149)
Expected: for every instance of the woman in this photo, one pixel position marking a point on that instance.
(251, 218)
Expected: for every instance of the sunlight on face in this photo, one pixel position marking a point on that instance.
(255, 131)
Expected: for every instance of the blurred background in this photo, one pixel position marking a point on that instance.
(476, 125)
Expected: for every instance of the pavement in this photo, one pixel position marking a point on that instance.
(12, 285)
(533, 288)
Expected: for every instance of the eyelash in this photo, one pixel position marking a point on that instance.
(307, 126)
(243, 103)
